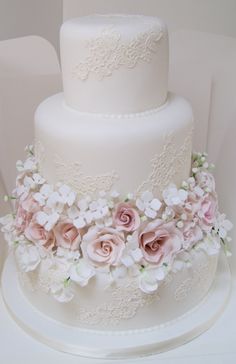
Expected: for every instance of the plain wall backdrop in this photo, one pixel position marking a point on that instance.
(44, 17)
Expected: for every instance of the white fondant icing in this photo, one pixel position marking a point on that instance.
(93, 152)
(114, 63)
(125, 307)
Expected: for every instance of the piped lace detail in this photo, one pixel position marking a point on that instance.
(72, 175)
(123, 304)
(168, 164)
(108, 52)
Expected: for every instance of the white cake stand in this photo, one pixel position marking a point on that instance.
(116, 344)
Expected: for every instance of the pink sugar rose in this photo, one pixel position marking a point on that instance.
(126, 217)
(67, 235)
(191, 234)
(30, 205)
(22, 219)
(207, 212)
(205, 180)
(24, 213)
(104, 247)
(38, 235)
(160, 241)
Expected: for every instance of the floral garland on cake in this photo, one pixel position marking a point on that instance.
(141, 236)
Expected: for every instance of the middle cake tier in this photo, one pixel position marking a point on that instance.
(128, 153)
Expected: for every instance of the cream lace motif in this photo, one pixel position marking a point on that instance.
(196, 281)
(166, 165)
(124, 303)
(126, 300)
(108, 52)
(72, 175)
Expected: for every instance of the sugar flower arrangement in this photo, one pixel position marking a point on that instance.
(54, 229)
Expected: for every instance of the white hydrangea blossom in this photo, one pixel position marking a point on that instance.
(27, 256)
(81, 272)
(148, 204)
(174, 196)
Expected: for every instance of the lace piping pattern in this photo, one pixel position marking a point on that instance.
(108, 52)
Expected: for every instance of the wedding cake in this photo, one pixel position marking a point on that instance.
(116, 223)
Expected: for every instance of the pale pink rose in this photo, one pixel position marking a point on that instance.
(22, 219)
(205, 180)
(67, 235)
(103, 247)
(30, 205)
(126, 217)
(160, 241)
(207, 212)
(38, 235)
(191, 234)
(189, 208)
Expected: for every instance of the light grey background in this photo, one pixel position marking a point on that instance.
(44, 17)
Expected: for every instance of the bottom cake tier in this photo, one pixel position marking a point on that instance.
(123, 306)
(185, 293)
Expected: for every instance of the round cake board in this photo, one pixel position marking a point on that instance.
(115, 344)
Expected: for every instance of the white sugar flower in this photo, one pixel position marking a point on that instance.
(68, 196)
(150, 277)
(99, 208)
(68, 255)
(210, 244)
(33, 181)
(81, 272)
(62, 291)
(132, 254)
(173, 196)
(223, 225)
(47, 220)
(7, 223)
(29, 165)
(27, 256)
(148, 204)
(45, 191)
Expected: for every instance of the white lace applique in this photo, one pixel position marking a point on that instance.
(198, 280)
(167, 164)
(71, 174)
(108, 52)
(124, 303)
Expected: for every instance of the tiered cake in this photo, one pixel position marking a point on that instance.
(113, 218)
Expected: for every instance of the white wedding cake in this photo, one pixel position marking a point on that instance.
(117, 226)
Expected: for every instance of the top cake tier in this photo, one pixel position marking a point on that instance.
(114, 64)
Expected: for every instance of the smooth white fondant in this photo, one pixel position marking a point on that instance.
(123, 306)
(131, 50)
(98, 152)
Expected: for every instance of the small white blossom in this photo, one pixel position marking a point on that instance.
(173, 196)
(44, 193)
(28, 166)
(62, 291)
(67, 195)
(27, 256)
(47, 220)
(148, 204)
(147, 281)
(132, 253)
(210, 244)
(81, 272)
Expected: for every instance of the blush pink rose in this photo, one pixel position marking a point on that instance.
(24, 213)
(160, 241)
(191, 234)
(104, 247)
(67, 235)
(30, 205)
(22, 219)
(126, 217)
(207, 212)
(38, 235)
(205, 180)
